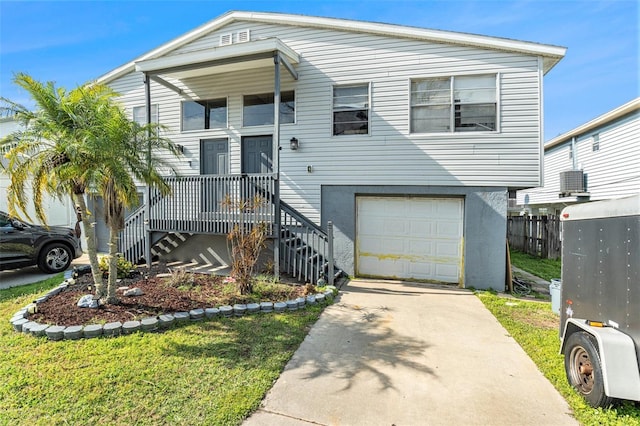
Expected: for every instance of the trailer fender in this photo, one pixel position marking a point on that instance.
(621, 373)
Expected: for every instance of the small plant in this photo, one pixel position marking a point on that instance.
(125, 268)
(247, 238)
(309, 289)
(269, 267)
(181, 279)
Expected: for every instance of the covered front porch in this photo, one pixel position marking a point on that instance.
(224, 195)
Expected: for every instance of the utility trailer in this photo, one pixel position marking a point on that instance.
(600, 299)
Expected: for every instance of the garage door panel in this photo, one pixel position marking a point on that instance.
(409, 237)
(451, 250)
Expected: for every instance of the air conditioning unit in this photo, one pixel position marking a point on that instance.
(571, 181)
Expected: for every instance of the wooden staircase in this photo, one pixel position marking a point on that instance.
(305, 249)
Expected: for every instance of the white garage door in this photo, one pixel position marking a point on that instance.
(409, 237)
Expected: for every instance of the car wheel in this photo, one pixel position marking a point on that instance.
(584, 370)
(54, 258)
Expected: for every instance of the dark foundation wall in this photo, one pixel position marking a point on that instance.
(485, 224)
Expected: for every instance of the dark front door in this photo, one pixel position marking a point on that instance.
(215, 157)
(214, 161)
(257, 154)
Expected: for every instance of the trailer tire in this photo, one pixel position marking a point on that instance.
(584, 370)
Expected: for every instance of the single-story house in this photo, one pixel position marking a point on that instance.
(399, 142)
(598, 160)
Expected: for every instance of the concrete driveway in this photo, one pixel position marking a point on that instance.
(397, 353)
(31, 274)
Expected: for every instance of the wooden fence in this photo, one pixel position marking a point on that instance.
(537, 235)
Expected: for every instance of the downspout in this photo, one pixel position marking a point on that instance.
(574, 154)
(276, 159)
(147, 242)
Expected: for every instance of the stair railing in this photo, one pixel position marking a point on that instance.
(133, 237)
(306, 250)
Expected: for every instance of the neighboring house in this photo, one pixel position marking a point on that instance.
(58, 212)
(406, 139)
(598, 160)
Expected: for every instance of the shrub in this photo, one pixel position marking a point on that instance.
(125, 268)
(247, 239)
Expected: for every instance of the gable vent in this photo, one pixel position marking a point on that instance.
(244, 36)
(226, 39)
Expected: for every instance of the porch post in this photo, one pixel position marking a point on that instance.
(276, 160)
(147, 240)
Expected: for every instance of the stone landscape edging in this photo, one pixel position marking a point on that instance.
(20, 320)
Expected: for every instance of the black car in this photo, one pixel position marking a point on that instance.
(24, 244)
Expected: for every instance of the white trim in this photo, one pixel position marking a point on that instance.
(218, 54)
(369, 107)
(295, 110)
(204, 129)
(451, 78)
(541, 126)
(630, 106)
(551, 54)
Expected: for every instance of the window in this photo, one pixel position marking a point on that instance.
(140, 114)
(595, 144)
(454, 104)
(351, 110)
(258, 109)
(204, 114)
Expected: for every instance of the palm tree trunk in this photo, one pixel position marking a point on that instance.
(112, 281)
(92, 251)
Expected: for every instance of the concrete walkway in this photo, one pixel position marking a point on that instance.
(397, 353)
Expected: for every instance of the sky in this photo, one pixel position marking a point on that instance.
(73, 42)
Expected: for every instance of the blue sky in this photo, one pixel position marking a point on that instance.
(72, 42)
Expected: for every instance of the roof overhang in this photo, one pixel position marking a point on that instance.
(612, 115)
(222, 59)
(550, 54)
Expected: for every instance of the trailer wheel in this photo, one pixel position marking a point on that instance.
(583, 368)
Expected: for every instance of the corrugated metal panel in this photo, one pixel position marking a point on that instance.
(390, 155)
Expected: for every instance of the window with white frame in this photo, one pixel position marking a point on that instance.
(140, 114)
(257, 110)
(454, 104)
(595, 143)
(204, 114)
(351, 109)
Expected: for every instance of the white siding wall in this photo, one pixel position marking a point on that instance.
(612, 172)
(390, 155)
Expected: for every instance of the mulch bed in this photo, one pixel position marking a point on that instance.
(201, 291)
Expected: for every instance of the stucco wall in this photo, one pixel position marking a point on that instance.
(485, 213)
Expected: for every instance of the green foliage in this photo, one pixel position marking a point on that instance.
(535, 327)
(214, 372)
(546, 269)
(125, 268)
(77, 142)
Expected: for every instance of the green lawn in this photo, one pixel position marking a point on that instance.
(535, 327)
(543, 268)
(213, 372)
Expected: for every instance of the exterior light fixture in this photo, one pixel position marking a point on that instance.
(180, 148)
(294, 144)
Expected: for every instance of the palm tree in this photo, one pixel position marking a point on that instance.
(49, 153)
(127, 154)
(77, 142)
